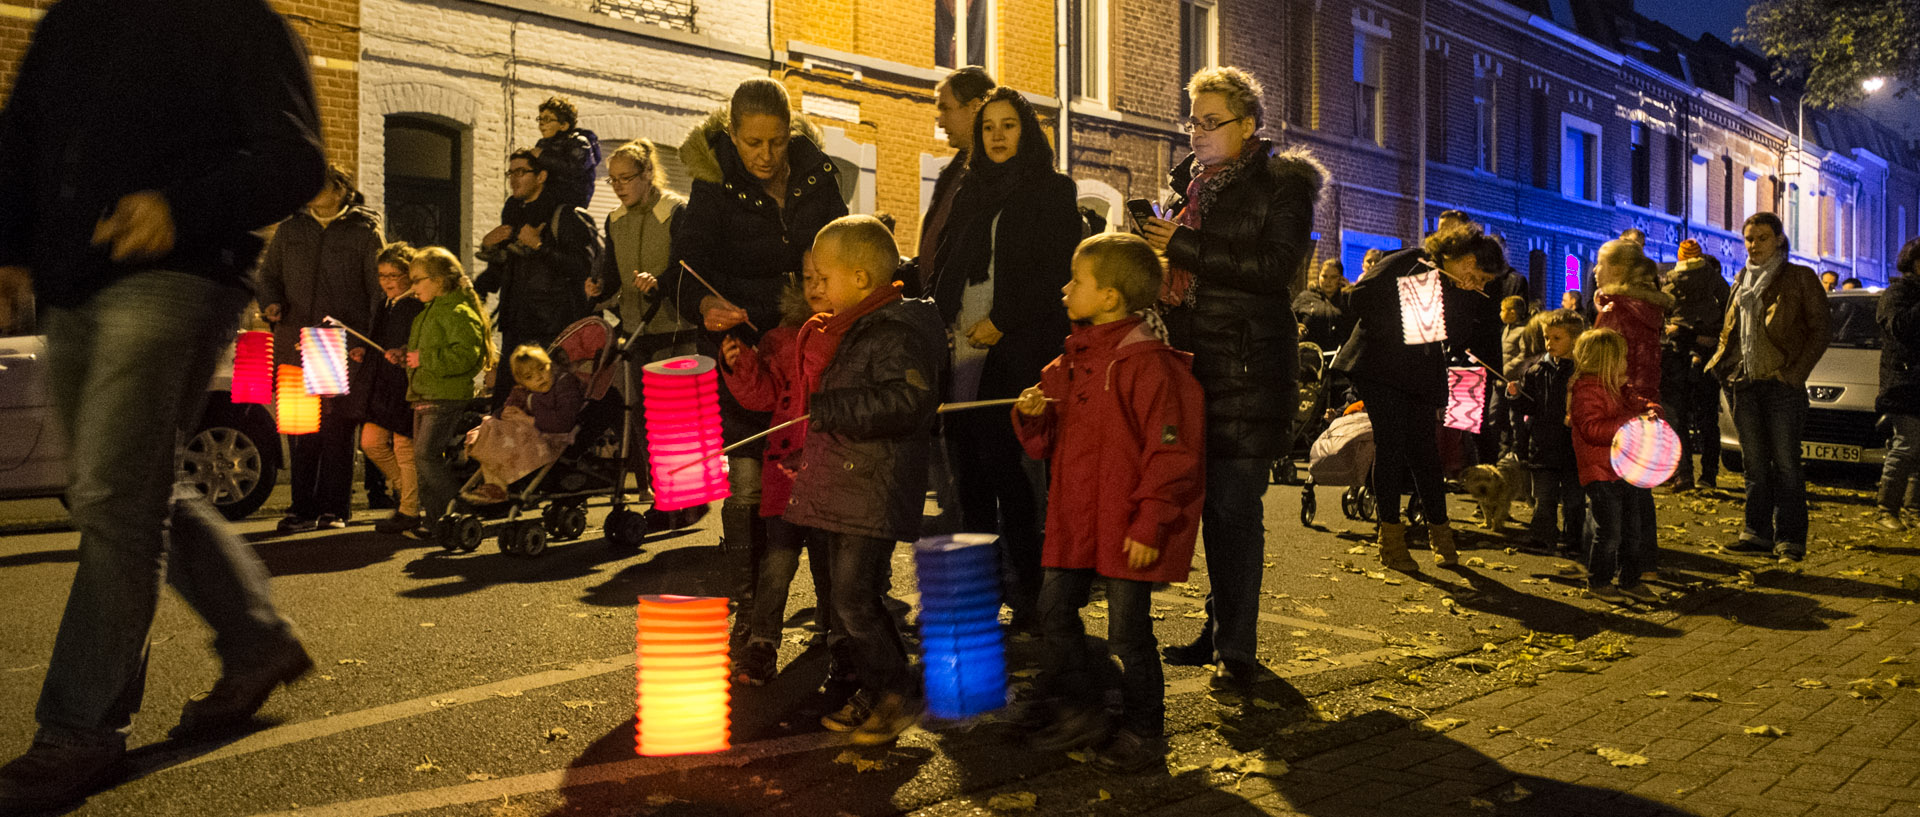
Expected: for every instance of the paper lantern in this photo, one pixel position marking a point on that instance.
(963, 662)
(1466, 398)
(681, 676)
(299, 411)
(682, 396)
(1645, 452)
(323, 351)
(1422, 315)
(253, 368)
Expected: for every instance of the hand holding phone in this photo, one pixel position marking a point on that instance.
(1142, 211)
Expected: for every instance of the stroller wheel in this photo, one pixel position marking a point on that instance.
(532, 540)
(1366, 505)
(1350, 502)
(1309, 505)
(460, 532)
(625, 529)
(566, 522)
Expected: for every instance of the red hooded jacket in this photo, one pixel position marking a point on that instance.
(1127, 444)
(1595, 417)
(1640, 314)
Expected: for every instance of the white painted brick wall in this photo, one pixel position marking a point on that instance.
(486, 70)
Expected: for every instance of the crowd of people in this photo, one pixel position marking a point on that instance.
(1149, 397)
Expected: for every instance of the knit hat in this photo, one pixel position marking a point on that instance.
(1689, 248)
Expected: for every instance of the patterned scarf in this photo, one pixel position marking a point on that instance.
(1178, 288)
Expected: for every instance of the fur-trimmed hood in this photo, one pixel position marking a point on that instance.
(1283, 164)
(700, 152)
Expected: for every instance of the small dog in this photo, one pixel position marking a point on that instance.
(1494, 488)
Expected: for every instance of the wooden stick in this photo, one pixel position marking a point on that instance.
(716, 293)
(944, 408)
(1483, 365)
(974, 404)
(336, 322)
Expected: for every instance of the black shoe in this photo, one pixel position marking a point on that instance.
(1197, 653)
(294, 524)
(1788, 553)
(849, 717)
(419, 532)
(49, 777)
(1749, 546)
(1640, 592)
(1607, 593)
(381, 501)
(397, 523)
(1708, 483)
(1238, 676)
(234, 699)
(328, 521)
(1129, 753)
(757, 665)
(1076, 727)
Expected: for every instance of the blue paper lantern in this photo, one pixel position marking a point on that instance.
(964, 661)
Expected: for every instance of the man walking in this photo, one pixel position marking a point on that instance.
(144, 142)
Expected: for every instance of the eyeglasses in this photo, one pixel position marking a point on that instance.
(619, 181)
(418, 278)
(1207, 126)
(393, 275)
(545, 120)
(518, 172)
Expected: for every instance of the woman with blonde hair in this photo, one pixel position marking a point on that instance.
(450, 344)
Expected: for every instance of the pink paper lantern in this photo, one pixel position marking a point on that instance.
(253, 368)
(1466, 398)
(1422, 315)
(1645, 452)
(682, 397)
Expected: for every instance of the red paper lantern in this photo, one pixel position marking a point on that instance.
(299, 411)
(681, 688)
(682, 397)
(253, 368)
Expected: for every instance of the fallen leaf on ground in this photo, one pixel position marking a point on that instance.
(1013, 801)
(581, 704)
(861, 763)
(1893, 659)
(509, 693)
(1474, 664)
(1498, 730)
(426, 624)
(1541, 743)
(344, 661)
(426, 765)
(1102, 796)
(557, 733)
(1194, 614)
(1025, 673)
(478, 776)
(1765, 731)
(1439, 725)
(1249, 764)
(1656, 693)
(445, 702)
(1618, 757)
(1513, 793)
(1310, 610)
(1080, 756)
(1810, 683)
(1702, 696)
(1859, 625)
(1572, 667)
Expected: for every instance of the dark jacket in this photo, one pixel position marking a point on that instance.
(1377, 350)
(1032, 255)
(1543, 401)
(1797, 322)
(1899, 319)
(918, 271)
(747, 247)
(543, 290)
(864, 468)
(569, 158)
(1699, 293)
(381, 387)
(208, 102)
(1325, 316)
(1240, 327)
(314, 272)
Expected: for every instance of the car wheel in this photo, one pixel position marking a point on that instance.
(226, 462)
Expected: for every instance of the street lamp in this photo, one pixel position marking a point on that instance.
(1872, 84)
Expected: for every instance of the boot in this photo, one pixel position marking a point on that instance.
(1440, 538)
(1393, 547)
(1891, 497)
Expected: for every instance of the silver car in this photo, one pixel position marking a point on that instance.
(1841, 423)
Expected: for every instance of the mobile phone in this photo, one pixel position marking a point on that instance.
(1142, 211)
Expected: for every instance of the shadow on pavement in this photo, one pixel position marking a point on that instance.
(488, 567)
(40, 557)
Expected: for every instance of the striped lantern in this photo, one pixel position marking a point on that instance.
(299, 411)
(1645, 452)
(1423, 316)
(323, 351)
(963, 661)
(253, 368)
(681, 691)
(682, 397)
(1466, 398)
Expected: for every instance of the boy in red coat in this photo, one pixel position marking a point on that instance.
(1120, 418)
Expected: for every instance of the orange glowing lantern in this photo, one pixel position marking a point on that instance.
(299, 411)
(253, 368)
(681, 676)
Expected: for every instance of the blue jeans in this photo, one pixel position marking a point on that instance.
(1903, 460)
(1069, 663)
(129, 372)
(859, 570)
(1233, 528)
(435, 425)
(1770, 417)
(1619, 512)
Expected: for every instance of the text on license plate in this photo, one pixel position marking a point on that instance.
(1830, 451)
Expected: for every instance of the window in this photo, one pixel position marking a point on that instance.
(1697, 188)
(960, 33)
(1355, 244)
(1749, 195)
(1486, 123)
(1087, 49)
(1726, 192)
(1368, 120)
(1302, 19)
(1793, 214)
(1642, 155)
(1579, 158)
(1197, 43)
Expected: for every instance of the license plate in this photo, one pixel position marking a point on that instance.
(1829, 451)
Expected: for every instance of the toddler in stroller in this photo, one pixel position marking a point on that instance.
(533, 428)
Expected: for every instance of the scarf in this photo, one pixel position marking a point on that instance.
(1759, 358)
(1178, 288)
(820, 336)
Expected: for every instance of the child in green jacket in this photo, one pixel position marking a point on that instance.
(450, 343)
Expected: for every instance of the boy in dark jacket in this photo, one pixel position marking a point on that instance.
(1541, 397)
(863, 473)
(1120, 419)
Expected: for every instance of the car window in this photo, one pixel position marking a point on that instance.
(1853, 322)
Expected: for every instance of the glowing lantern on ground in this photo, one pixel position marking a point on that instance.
(1645, 452)
(681, 676)
(682, 397)
(963, 661)
(299, 411)
(323, 352)
(1422, 315)
(1466, 398)
(253, 368)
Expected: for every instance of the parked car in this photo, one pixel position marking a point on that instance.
(233, 456)
(1841, 423)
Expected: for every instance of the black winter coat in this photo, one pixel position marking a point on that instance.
(1543, 401)
(379, 386)
(542, 290)
(1899, 319)
(1700, 293)
(1032, 259)
(314, 272)
(1240, 327)
(1378, 351)
(864, 468)
(570, 157)
(1325, 316)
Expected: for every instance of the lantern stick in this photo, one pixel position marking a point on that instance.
(1482, 291)
(1483, 365)
(943, 409)
(716, 293)
(333, 321)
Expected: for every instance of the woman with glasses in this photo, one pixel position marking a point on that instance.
(1236, 238)
(1005, 253)
(572, 152)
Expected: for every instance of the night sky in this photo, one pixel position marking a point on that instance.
(1693, 17)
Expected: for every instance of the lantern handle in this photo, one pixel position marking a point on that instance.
(943, 409)
(716, 294)
(333, 321)
(1483, 365)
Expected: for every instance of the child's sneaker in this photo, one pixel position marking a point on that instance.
(1640, 592)
(1129, 753)
(1607, 593)
(1573, 570)
(757, 664)
(851, 716)
(1075, 727)
(893, 715)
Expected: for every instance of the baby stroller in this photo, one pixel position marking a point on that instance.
(1342, 455)
(593, 464)
(1310, 412)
